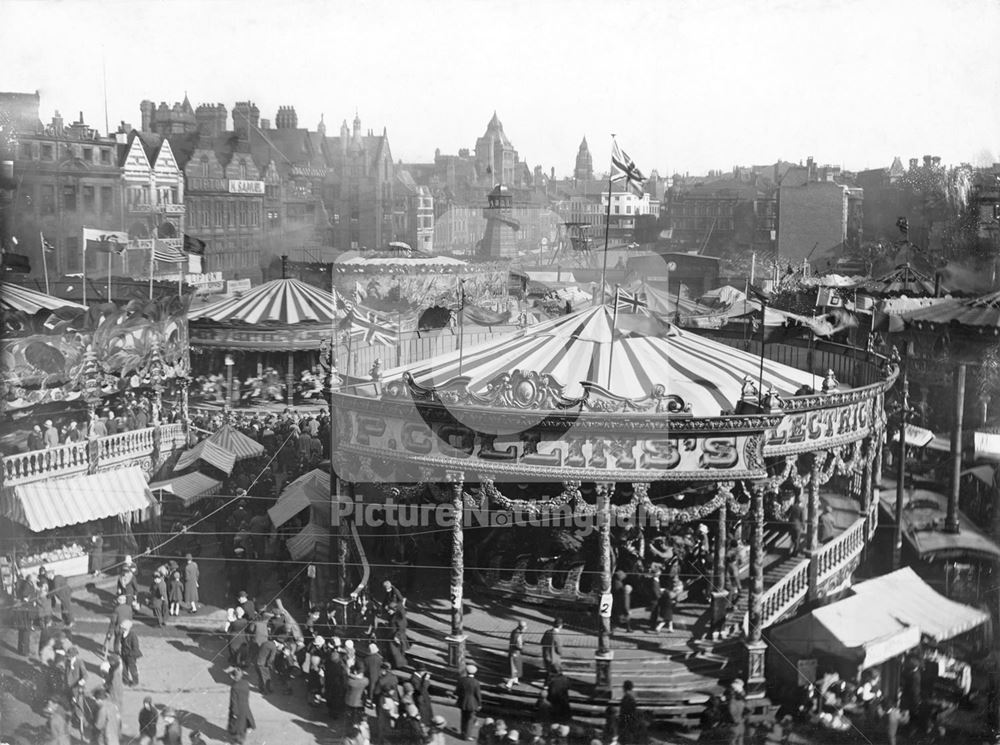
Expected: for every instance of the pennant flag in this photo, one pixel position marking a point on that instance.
(623, 168)
(627, 302)
(192, 245)
(167, 253)
(105, 241)
(46, 246)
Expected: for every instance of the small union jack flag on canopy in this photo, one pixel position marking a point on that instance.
(627, 302)
(373, 328)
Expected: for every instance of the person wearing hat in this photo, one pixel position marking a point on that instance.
(36, 440)
(264, 659)
(470, 700)
(515, 647)
(513, 737)
(354, 696)
(734, 713)
(57, 723)
(334, 679)
(552, 646)
(386, 697)
(159, 599)
(50, 436)
(113, 680)
(191, 577)
(128, 648)
(796, 519)
(148, 718)
(487, 729)
(827, 525)
(559, 695)
(499, 733)
(422, 692)
(107, 719)
(629, 721)
(436, 731)
(240, 717)
(373, 668)
(172, 731)
(128, 587)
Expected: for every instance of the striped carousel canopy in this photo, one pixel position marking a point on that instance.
(980, 312)
(904, 280)
(280, 301)
(628, 358)
(25, 300)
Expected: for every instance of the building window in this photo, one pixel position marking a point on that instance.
(220, 208)
(88, 154)
(71, 254)
(107, 200)
(48, 197)
(88, 198)
(26, 150)
(173, 195)
(243, 212)
(46, 152)
(105, 156)
(243, 170)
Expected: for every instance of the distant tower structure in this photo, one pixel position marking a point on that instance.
(321, 127)
(496, 158)
(246, 116)
(584, 170)
(500, 239)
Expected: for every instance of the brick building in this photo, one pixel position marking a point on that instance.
(819, 216)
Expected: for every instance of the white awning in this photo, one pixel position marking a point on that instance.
(310, 538)
(189, 488)
(309, 490)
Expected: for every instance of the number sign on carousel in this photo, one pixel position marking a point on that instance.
(410, 434)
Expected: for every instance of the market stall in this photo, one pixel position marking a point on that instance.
(311, 490)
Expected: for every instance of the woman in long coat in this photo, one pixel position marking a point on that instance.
(191, 584)
(240, 717)
(113, 680)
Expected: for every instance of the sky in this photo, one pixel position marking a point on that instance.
(686, 85)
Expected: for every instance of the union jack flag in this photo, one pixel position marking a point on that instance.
(627, 302)
(623, 168)
(46, 244)
(373, 328)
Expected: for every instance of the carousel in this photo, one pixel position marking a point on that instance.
(630, 426)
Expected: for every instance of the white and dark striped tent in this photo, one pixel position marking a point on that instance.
(586, 346)
(25, 300)
(279, 302)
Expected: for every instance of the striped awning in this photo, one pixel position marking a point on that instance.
(309, 490)
(904, 280)
(57, 502)
(189, 488)
(311, 538)
(583, 346)
(25, 300)
(979, 312)
(211, 453)
(236, 442)
(280, 301)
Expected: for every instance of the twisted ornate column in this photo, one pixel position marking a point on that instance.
(719, 566)
(812, 529)
(456, 640)
(755, 646)
(870, 449)
(604, 655)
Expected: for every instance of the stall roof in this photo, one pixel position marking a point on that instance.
(309, 490)
(915, 603)
(189, 488)
(210, 452)
(855, 629)
(51, 504)
(923, 525)
(302, 544)
(236, 442)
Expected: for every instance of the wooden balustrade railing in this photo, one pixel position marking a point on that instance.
(832, 556)
(74, 458)
(785, 594)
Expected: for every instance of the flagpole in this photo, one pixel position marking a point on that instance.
(614, 323)
(83, 262)
(763, 337)
(45, 263)
(152, 264)
(607, 229)
(109, 276)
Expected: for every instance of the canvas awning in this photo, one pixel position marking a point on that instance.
(915, 603)
(309, 490)
(854, 629)
(236, 442)
(189, 488)
(311, 537)
(211, 453)
(57, 502)
(984, 473)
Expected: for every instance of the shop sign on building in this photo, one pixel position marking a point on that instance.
(207, 184)
(238, 285)
(238, 186)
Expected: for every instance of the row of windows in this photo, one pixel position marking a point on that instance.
(722, 224)
(140, 195)
(226, 213)
(59, 151)
(700, 209)
(92, 199)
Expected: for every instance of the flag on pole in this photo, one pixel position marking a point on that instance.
(167, 253)
(46, 245)
(195, 246)
(629, 302)
(105, 241)
(623, 168)
(373, 329)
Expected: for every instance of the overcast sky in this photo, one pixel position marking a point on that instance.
(686, 85)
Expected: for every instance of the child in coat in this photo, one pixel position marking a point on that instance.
(175, 593)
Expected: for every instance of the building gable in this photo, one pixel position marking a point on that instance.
(166, 164)
(136, 164)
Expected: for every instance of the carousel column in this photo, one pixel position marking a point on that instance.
(290, 379)
(867, 484)
(604, 655)
(812, 529)
(456, 639)
(719, 597)
(755, 645)
(92, 396)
